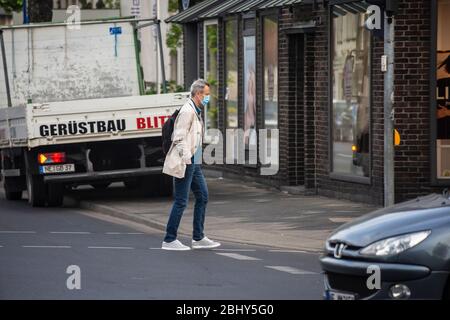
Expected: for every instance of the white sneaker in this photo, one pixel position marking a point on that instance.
(174, 246)
(205, 243)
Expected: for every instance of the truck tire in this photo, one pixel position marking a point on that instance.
(165, 185)
(36, 190)
(131, 184)
(55, 195)
(10, 192)
(101, 185)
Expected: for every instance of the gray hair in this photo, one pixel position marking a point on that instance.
(198, 86)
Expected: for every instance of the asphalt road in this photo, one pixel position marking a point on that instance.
(118, 262)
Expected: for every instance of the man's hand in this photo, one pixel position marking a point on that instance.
(188, 161)
(186, 158)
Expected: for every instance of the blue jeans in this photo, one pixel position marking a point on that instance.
(195, 181)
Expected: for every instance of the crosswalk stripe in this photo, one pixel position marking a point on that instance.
(237, 256)
(290, 270)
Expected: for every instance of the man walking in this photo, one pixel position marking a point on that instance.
(183, 162)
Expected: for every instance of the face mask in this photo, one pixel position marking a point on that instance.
(205, 100)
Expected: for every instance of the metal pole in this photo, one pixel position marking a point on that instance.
(389, 189)
(161, 53)
(5, 69)
(24, 12)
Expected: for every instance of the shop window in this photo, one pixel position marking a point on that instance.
(249, 43)
(350, 63)
(211, 75)
(231, 73)
(443, 90)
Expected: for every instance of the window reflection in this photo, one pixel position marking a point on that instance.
(351, 92)
(231, 72)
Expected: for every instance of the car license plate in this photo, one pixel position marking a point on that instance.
(58, 168)
(333, 295)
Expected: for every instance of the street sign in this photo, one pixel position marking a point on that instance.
(115, 30)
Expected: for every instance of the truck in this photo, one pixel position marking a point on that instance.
(75, 113)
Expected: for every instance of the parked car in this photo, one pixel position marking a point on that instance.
(408, 243)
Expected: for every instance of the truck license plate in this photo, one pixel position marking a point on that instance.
(58, 168)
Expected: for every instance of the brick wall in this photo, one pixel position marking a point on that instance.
(412, 94)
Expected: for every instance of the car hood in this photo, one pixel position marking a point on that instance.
(423, 213)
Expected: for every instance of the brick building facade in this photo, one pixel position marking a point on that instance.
(328, 101)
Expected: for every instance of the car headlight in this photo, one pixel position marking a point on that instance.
(395, 245)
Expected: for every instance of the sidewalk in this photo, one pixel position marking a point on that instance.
(239, 212)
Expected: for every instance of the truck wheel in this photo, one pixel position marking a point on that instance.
(100, 185)
(10, 192)
(165, 185)
(55, 195)
(131, 184)
(36, 190)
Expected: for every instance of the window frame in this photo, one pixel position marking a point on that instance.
(206, 24)
(236, 19)
(337, 175)
(263, 15)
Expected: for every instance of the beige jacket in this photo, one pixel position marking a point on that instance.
(186, 136)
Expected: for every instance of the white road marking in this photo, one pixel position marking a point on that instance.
(114, 248)
(290, 270)
(48, 247)
(155, 248)
(235, 250)
(127, 233)
(340, 219)
(69, 232)
(17, 231)
(261, 200)
(237, 256)
(289, 251)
